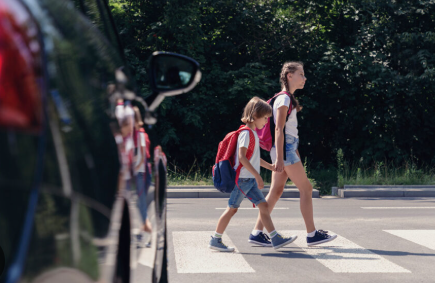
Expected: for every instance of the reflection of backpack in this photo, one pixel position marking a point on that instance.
(267, 134)
(224, 175)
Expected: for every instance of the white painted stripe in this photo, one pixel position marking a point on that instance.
(251, 208)
(192, 254)
(344, 256)
(421, 237)
(399, 207)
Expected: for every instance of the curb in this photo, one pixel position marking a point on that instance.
(350, 191)
(211, 192)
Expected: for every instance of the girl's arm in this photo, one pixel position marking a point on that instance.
(142, 157)
(266, 165)
(142, 149)
(245, 162)
(279, 137)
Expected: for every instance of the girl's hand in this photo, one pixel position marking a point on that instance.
(272, 168)
(260, 182)
(279, 165)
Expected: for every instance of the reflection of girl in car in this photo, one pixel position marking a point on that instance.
(158, 153)
(140, 168)
(124, 115)
(140, 162)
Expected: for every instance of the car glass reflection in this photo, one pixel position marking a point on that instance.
(173, 73)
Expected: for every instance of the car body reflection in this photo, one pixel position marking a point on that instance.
(81, 200)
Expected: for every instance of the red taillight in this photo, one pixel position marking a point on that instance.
(20, 69)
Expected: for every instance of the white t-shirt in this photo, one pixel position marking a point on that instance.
(126, 112)
(243, 141)
(291, 126)
(140, 143)
(129, 147)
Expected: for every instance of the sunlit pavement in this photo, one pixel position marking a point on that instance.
(379, 240)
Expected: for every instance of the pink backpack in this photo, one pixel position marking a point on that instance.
(267, 134)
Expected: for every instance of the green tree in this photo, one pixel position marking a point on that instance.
(370, 68)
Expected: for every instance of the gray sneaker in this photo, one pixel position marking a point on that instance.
(216, 244)
(279, 241)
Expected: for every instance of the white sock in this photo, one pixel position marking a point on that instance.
(256, 232)
(273, 234)
(217, 235)
(311, 234)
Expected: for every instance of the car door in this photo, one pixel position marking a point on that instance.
(79, 172)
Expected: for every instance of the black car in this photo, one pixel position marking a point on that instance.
(72, 208)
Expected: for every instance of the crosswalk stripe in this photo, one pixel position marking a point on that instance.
(344, 256)
(399, 207)
(222, 208)
(421, 237)
(192, 254)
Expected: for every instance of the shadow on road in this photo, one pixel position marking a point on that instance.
(334, 253)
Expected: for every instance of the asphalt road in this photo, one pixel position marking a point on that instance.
(379, 240)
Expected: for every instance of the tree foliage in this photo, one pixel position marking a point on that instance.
(370, 69)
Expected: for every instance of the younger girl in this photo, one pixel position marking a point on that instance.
(250, 182)
(292, 78)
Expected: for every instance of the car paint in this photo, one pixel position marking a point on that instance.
(65, 211)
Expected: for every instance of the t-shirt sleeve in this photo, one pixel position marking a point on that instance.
(282, 100)
(243, 140)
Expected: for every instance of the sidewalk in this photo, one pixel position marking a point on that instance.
(212, 192)
(384, 191)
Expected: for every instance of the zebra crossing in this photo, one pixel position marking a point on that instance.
(196, 257)
(423, 238)
(340, 256)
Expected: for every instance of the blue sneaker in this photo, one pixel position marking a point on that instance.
(261, 239)
(321, 236)
(279, 241)
(216, 244)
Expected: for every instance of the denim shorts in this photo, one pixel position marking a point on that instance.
(142, 195)
(291, 145)
(251, 190)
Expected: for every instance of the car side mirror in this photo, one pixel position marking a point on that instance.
(171, 74)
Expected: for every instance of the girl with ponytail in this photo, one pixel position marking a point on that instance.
(288, 162)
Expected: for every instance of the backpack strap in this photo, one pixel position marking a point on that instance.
(249, 154)
(272, 122)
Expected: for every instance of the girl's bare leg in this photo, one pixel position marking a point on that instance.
(296, 173)
(265, 216)
(275, 192)
(225, 219)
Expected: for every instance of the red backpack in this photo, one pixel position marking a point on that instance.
(224, 175)
(267, 134)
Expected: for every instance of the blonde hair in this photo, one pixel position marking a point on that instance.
(290, 68)
(256, 108)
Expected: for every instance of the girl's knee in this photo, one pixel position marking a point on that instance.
(263, 206)
(276, 192)
(307, 189)
(232, 210)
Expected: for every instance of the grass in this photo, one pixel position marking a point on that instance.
(323, 179)
(197, 176)
(381, 173)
